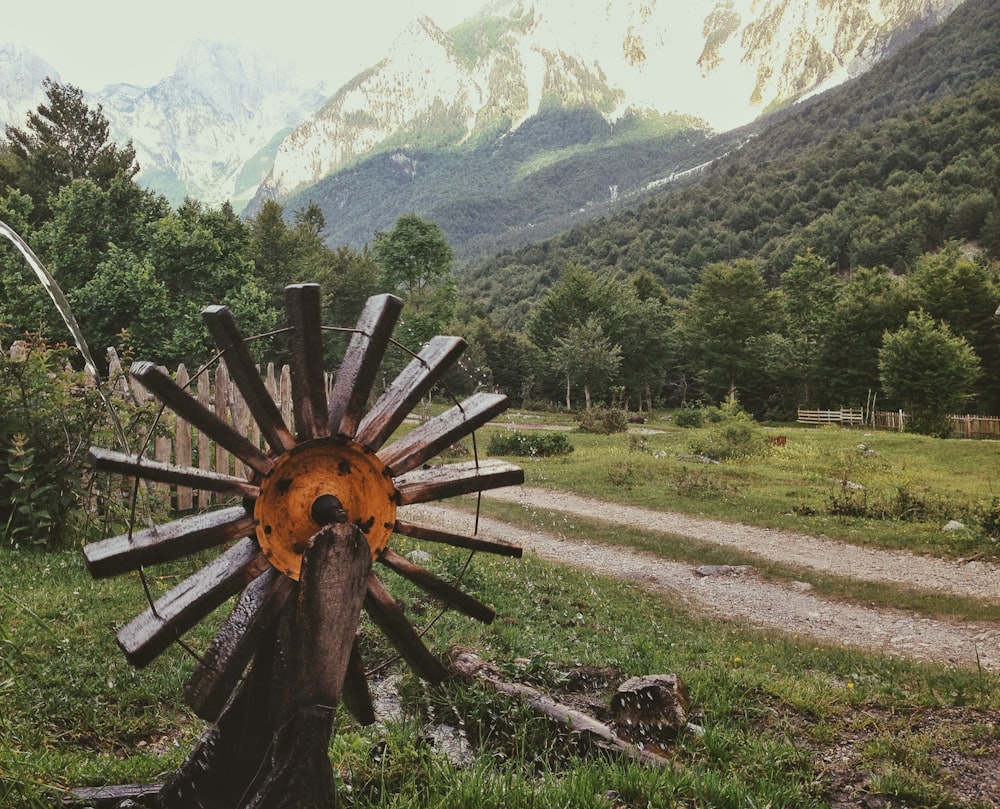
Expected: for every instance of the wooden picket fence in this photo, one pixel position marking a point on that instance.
(178, 442)
(975, 426)
(967, 426)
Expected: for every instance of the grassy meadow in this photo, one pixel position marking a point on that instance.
(776, 721)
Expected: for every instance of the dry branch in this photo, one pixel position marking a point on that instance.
(472, 667)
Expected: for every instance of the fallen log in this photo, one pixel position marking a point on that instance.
(473, 668)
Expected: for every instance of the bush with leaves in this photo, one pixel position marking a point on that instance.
(604, 421)
(528, 444)
(52, 415)
(733, 436)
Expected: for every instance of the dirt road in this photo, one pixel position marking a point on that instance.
(739, 594)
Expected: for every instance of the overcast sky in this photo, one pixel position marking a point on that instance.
(93, 43)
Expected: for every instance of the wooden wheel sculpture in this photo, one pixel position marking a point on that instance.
(318, 508)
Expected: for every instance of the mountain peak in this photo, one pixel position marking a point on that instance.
(21, 75)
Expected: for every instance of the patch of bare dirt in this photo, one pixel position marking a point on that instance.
(740, 594)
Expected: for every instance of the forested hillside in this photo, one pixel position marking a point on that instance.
(527, 183)
(875, 173)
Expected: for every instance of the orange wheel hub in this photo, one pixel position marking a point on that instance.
(328, 480)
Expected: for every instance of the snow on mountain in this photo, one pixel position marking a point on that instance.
(204, 132)
(722, 61)
(229, 120)
(21, 75)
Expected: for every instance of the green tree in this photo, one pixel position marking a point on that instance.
(63, 140)
(347, 279)
(270, 246)
(645, 327)
(727, 309)
(578, 295)
(587, 358)
(413, 255)
(124, 294)
(963, 293)
(847, 372)
(928, 371)
(414, 260)
(808, 295)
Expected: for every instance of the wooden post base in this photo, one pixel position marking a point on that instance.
(269, 749)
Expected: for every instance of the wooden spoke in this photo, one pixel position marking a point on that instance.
(456, 540)
(356, 696)
(437, 587)
(222, 665)
(191, 410)
(302, 310)
(123, 553)
(147, 635)
(451, 480)
(407, 389)
(361, 362)
(387, 615)
(245, 375)
(107, 460)
(441, 432)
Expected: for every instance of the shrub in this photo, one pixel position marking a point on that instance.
(528, 444)
(46, 426)
(736, 436)
(689, 417)
(604, 421)
(699, 415)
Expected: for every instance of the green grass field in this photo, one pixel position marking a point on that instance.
(783, 722)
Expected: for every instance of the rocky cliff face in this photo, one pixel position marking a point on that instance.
(725, 64)
(228, 120)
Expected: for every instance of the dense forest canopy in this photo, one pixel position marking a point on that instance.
(802, 269)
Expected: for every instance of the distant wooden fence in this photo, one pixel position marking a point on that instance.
(975, 426)
(184, 445)
(886, 419)
(962, 426)
(848, 415)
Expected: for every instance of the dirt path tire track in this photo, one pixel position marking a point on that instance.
(744, 596)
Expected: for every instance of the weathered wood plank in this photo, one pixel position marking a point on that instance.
(451, 480)
(437, 587)
(107, 460)
(246, 377)
(116, 555)
(332, 587)
(204, 442)
(356, 697)
(406, 390)
(303, 314)
(223, 663)
(427, 440)
(190, 409)
(147, 635)
(112, 797)
(385, 612)
(222, 412)
(410, 529)
(361, 362)
(182, 446)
